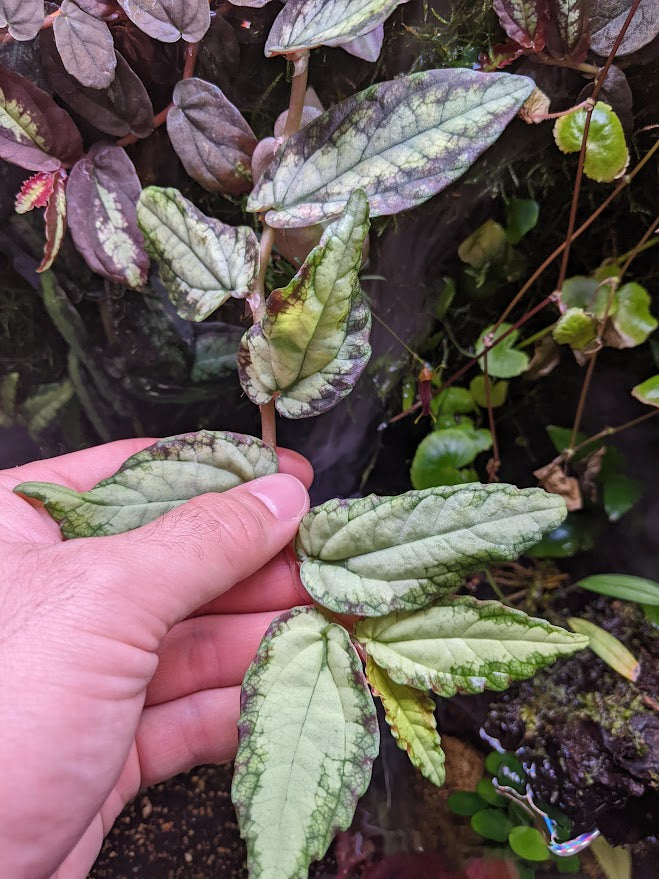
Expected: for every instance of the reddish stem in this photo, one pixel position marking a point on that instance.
(158, 120)
(191, 51)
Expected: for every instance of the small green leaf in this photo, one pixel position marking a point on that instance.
(410, 715)
(465, 803)
(503, 361)
(609, 649)
(587, 294)
(308, 735)
(371, 555)
(619, 494)
(632, 320)
(451, 401)
(402, 141)
(488, 792)
(312, 345)
(492, 824)
(606, 151)
(202, 261)
(154, 481)
(624, 586)
(648, 391)
(521, 216)
(452, 448)
(488, 244)
(577, 534)
(464, 646)
(498, 391)
(528, 843)
(575, 328)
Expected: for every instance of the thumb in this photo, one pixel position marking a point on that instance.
(202, 548)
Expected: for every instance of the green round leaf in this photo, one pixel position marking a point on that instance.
(587, 294)
(528, 843)
(451, 401)
(498, 391)
(624, 586)
(503, 361)
(648, 391)
(488, 244)
(606, 151)
(451, 448)
(575, 328)
(521, 216)
(619, 494)
(488, 792)
(492, 824)
(465, 803)
(632, 320)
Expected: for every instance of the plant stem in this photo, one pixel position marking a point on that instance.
(495, 463)
(642, 244)
(105, 311)
(160, 119)
(191, 50)
(298, 91)
(582, 399)
(495, 586)
(589, 69)
(611, 431)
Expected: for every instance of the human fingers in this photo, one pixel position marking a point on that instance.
(296, 465)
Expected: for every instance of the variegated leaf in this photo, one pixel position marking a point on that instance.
(308, 735)
(465, 646)
(570, 37)
(54, 221)
(312, 344)
(410, 714)
(524, 21)
(85, 46)
(102, 195)
(303, 24)
(34, 132)
(154, 481)
(401, 141)
(211, 137)
(368, 47)
(35, 192)
(607, 18)
(202, 261)
(169, 20)
(372, 555)
(23, 17)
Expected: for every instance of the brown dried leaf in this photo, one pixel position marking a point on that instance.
(102, 196)
(535, 107)
(553, 479)
(211, 137)
(23, 17)
(85, 46)
(592, 465)
(169, 20)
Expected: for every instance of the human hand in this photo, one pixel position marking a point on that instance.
(122, 657)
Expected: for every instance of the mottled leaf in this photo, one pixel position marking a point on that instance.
(35, 192)
(54, 221)
(368, 47)
(154, 481)
(632, 321)
(648, 391)
(169, 20)
(122, 108)
(308, 735)
(202, 261)
(624, 586)
(607, 18)
(312, 344)
(34, 132)
(85, 46)
(503, 361)
(375, 554)
(606, 151)
(570, 37)
(524, 21)
(465, 646)
(575, 328)
(410, 714)
(211, 137)
(401, 141)
(102, 195)
(23, 17)
(452, 448)
(609, 649)
(303, 24)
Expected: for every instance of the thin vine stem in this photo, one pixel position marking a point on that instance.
(581, 405)
(612, 431)
(495, 462)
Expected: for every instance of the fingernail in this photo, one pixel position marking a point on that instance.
(283, 495)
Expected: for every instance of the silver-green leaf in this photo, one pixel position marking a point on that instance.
(464, 646)
(169, 20)
(308, 735)
(372, 555)
(401, 141)
(202, 261)
(154, 481)
(312, 344)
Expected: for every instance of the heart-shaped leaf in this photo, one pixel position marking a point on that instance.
(371, 555)
(607, 155)
(503, 361)
(102, 195)
(308, 735)
(528, 843)
(648, 391)
(575, 328)
(312, 345)
(23, 17)
(401, 141)
(589, 295)
(202, 261)
(304, 24)
(498, 392)
(492, 824)
(410, 714)
(607, 18)
(85, 46)
(464, 646)
(453, 447)
(169, 20)
(625, 586)
(632, 320)
(524, 21)
(34, 132)
(154, 481)
(211, 137)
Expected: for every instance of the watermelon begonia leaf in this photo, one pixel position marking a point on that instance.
(85, 46)
(169, 20)
(23, 18)
(607, 155)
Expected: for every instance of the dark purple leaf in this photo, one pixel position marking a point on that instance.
(122, 108)
(169, 20)
(567, 33)
(524, 21)
(608, 16)
(85, 46)
(23, 17)
(34, 132)
(211, 137)
(102, 196)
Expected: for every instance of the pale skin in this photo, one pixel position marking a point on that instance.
(121, 657)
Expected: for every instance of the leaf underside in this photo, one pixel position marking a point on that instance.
(464, 646)
(169, 20)
(154, 481)
(372, 555)
(308, 735)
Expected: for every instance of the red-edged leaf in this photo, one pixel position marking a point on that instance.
(23, 17)
(34, 132)
(568, 35)
(55, 220)
(502, 55)
(35, 192)
(85, 46)
(122, 108)
(102, 195)
(524, 21)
